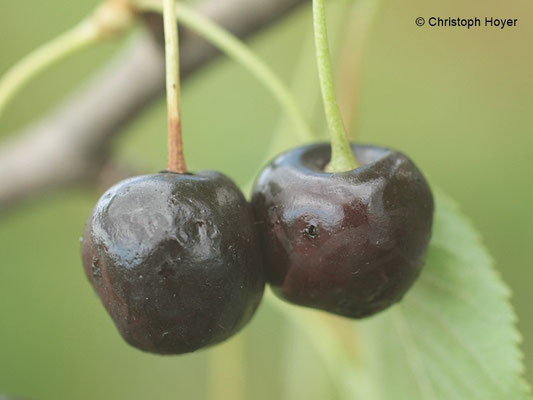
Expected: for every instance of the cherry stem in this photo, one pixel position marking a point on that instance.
(108, 20)
(342, 158)
(176, 160)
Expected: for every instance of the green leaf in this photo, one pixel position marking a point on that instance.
(453, 336)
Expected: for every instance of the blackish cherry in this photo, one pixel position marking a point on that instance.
(175, 260)
(351, 243)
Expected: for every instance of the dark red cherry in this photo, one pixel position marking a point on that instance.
(175, 260)
(350, 243)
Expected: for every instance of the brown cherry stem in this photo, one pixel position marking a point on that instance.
(176, 160)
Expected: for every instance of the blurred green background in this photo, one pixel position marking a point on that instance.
(458, 102)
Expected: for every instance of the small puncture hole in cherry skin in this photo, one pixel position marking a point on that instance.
(311, 230)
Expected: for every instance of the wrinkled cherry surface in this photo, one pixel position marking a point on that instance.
(175, 260)
(350, 243)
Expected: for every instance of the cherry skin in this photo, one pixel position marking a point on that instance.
(350, 243)
(175, 260)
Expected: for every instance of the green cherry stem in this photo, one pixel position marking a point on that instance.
(109, 19)
(234, 48)
(342, 158)
(176, 160)
(69, 42)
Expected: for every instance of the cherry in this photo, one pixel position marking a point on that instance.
(175, 260)
(351, 243)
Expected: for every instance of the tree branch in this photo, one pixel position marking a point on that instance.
(71, 145)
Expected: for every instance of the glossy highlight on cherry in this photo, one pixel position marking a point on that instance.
(175, 260)
(351, 243)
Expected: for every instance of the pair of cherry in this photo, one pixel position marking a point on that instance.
(180, 260)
